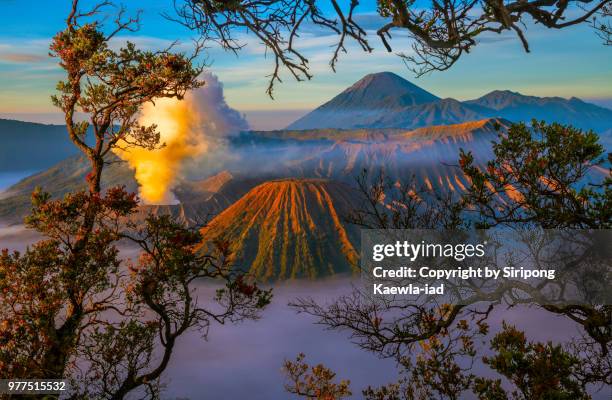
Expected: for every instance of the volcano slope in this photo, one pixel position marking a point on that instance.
(425, 157)
(199, 201)
(196, 202)
(289, 228)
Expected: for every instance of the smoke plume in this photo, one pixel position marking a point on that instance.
(191, 129)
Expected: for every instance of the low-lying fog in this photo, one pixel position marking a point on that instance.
(244, 361)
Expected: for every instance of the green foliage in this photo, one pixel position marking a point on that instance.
(71, 296)
(160, 305)
(441, 368)
(52, 312)
(42, 298)
(539, 371)
(110, 86)
(388, 8)
(542, 175)
(314, 382)
(119, 80)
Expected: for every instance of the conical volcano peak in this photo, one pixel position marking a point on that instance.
(387, 81)
(365, 101)
(382, 89)
(289, 228)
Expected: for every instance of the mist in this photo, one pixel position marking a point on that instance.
(245, 361)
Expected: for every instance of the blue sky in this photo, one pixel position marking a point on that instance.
(566, 63)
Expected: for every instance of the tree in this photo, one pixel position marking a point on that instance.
(70, 307)
(313, 382)
(440, 31)
(602, 24)
(537, 370)
(441, 368)
(540, 177)
(110, 86)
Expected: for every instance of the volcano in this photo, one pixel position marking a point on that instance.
(426, 157)
(381, 90)
(365, 102)
(197, 202)
(289, 228)
(386, 100)
(518, 107)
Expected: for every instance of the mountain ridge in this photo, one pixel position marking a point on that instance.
(519, 107)
(331, 154)
(32, 146)
(358, 107)
(368, 96)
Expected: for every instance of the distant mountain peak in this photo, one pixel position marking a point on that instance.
(519, 107)
(382, 74)
(380, 90)
(364, 101)
(504, 92)
(497, 96)
(383, 80)
(497, 99)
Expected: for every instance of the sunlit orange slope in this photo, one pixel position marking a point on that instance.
(289, 228)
